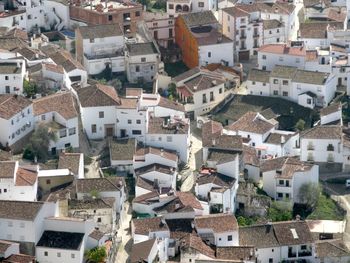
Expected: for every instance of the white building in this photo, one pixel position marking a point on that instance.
(23, 221)
(142, 62)
(283, 177)
(144, 251)
(171, 133)
(291, 240)
(274, 32)
(201, 90)
(307, 88)
(99, 47)
(58, 112)
(332, 114)
(18, 183)
(98, 110)
(147, 155)
(13, 19)
(12, 73)
(72, 161)
(220, 230)
(271, 55)
(16, 118)
(242, 24)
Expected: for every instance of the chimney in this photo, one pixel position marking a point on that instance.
(283, 139)
(18, 64)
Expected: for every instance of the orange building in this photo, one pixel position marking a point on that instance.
(194, 31)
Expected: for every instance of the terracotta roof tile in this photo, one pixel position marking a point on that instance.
(141, 251)
(19, 210)
(193, 241)
(99, 184)
(323, 132)
(10, 105)
(62, 103)
(98, 95)
(100, 31)
(26, 177)
(219, 223)
(283, 49)
(166, 103)
(19, 258)
(251, 122)
(164, 153)
(7, 169)
(147, 225)
(69, 161)
(96, 234)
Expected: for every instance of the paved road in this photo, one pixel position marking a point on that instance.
(124, 234)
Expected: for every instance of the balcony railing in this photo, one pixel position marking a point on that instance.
(305, 254)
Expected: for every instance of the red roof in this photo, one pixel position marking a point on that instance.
(283, 49)
(184, 91)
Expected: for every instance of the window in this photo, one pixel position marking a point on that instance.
(280, 195)
(211, 96)
(29, 17)
(58, 254)
(93, 128)
(143, 59)
(137, 13)
(136, 132)
(160, 139)
(228, 28)
(270, 32)
(46, 253)
(275, 81)
(281, 182)
(43, 117)
(72, 255)
(200, 4)
(308, 101)
(48, 181)
(303, 247)
(99, 220)
(129, 121)
(171, 6)
(7, 89)
(280, 59)
(101, 114)
(67, 145)
(137, 69)
(263, 56)
(63, 133)
(204, 98)
(22, 225)
(285, 82)
(6, 77)
(138, 121)
(275, 92)
(253, 82)
(71, 131)
(270, 260)
(229, 238)
(209, 54)
(242, 20)
(330, 147)
(220, 90)
(110, 18)
(169, 138)
(297, 60)
(92, 40)
(285, 93)
(5, 190)
(287, 196)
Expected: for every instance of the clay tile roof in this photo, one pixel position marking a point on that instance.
(10, 105)
(19, 258)
(235, 11)
(204, 81)
(188, 199)
(140, 49)
(273, 164)
(259, 75)
(323, 132)
(236, 253)
(145, 197)
(336, 15)
(69, 161)
(278, 138)
(331, 109)
(147, 225)
(7, 169)
(98, 203)
(156, 126)
(99, 184)
(100, 31)
(313, 30)
(65, 59)
(122, 149)
(98, 95)
(9, 68)
(193, 241)
(250, 156)
(251, 122)
(145, 184)
(53, 68)
(155, 167)
(19, 210)
(25, 177)
(96, 234)
(128, 103)
(219, 223)
(283, 49)
(332, 248)
(167, 154)
(140, 251)
(219, 180)
(276, 8)
(258, 236)
(199, 18)
(292, 233)
(166, 103)
(272, 24)
(311, 55)
(62, 103)
(186, 74)
(211, 130)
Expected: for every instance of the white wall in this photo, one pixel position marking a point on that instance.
(216, 53)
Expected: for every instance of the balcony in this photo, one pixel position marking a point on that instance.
(117, 53)
(305, 253)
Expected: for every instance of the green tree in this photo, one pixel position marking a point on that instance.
(279, 211)
(97, 254)
(39, 143)
(300, 125)
(30, 89)
(309, 194)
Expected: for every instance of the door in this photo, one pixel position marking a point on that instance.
(53, 151)
(244, 55)
(122, 133)
(109, 131)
